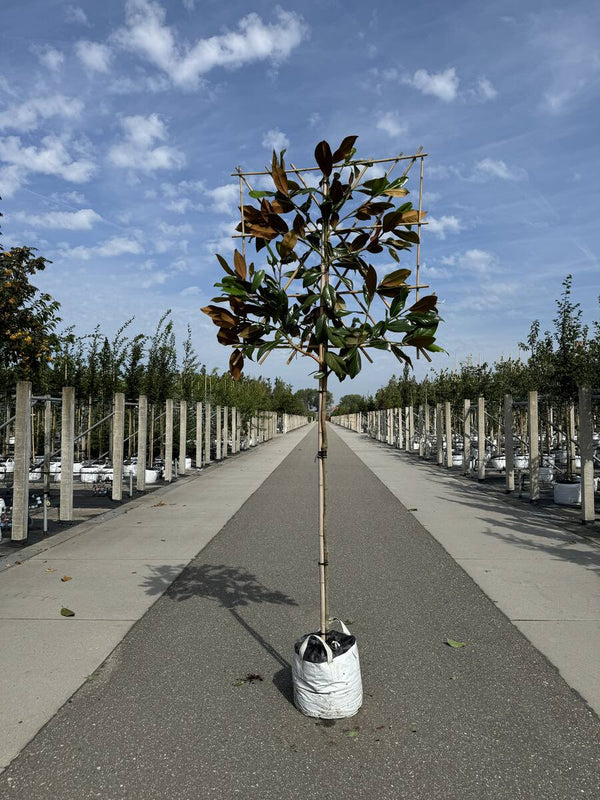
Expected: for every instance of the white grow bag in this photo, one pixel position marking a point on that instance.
(329, 689)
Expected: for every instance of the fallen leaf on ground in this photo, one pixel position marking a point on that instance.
(454, 643)
(66, 612)
(49, 569)
(66, 578)
(160, 503)
(251, 677)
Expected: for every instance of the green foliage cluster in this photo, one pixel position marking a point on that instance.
(318, 292)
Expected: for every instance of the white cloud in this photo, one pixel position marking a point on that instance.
(50, 159)
(28, 115)
(11, 179)
(225, 199)
(275, 139)
(77, 15)
(191, 291)
(117, 246)
(52, 59)
(485, 89)
(138, 150)
(189, 5)
(147, 34)
(94, 56)
(390, 124)
(498, 169)
(480, 262)
(314, 119)
(440, 226)
(443, 85)
(175, 230)
(81, 220)
(223, 241)
(154, 279)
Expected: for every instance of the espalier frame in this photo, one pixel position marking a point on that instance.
(303, 306)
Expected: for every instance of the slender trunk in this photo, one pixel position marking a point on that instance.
(322, 454)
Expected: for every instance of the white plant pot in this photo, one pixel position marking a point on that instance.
(522, 462)
(152, 475)
(89, 474)
(567, 494)
(498, 462)
(457, 459)
(35, 475)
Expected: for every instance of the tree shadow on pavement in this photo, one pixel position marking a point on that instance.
(232, 588)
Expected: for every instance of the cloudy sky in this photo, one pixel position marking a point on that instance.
(121, 121)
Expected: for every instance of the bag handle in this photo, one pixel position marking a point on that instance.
(342, 626)
(304, 645)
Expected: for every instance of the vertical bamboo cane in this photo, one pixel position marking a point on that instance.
(322, 454)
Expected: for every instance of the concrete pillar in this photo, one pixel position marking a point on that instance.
(207, 454)
(169, 440)
(406, 431)
(571, 447)
(225, 430)
(67, 445)
(533, 432)
(411, 428)
(47, 448)
(480, 439)
(586, 450)
(466, 437)
(20, 512)
(198, 435)
(439, 434)
(182, 436)
(219, 433)
(142, 450)
(238, 430)
(509, 445)
(233, 431)
(448, 425)
(118, 429)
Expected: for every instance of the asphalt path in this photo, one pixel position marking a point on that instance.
(196, 701)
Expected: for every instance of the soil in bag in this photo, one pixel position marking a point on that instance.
(315, 652)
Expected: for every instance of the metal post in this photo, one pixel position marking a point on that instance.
(67, 436)
(448, 424)
(118, 435)
(20, 507)
(480, 439)
(169, 440)
(182, 435)
(586, 450)
(142, 451)
(534, 447)
(509, 447)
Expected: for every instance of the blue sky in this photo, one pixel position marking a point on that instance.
(120, 123)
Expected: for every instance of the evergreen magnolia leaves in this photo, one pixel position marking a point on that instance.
(317, 293)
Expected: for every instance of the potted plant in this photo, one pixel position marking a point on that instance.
(318, 295)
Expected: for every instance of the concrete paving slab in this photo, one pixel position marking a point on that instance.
(531, 568)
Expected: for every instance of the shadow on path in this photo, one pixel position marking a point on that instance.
(232, 588)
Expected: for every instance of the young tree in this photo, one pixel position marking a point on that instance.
(318, 293)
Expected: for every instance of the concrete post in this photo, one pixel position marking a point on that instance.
(198, 435)
(421, 432)
(225, 431)
(47, 450)
(509, 445)
(406, 431)
(182, 436)
(400, 442)
(142, 451)
(219, 433)
(67, 445)
(207, 453)
(118, 429)
(586, 450)
(20, 512)
(439, 434)
(234, 430)
(466, 437)
(238, 430)
(571, 454)
(480, 439)
(411, 428)
(169, 440)
(448, 425)
(533, 433)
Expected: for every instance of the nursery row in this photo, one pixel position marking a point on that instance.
(162, 441)
(527, 441)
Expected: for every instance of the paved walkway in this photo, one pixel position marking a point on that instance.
(196, 700)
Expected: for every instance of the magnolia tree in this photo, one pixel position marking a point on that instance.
(318, 292)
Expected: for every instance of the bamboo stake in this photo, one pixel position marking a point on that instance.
(322, 453)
